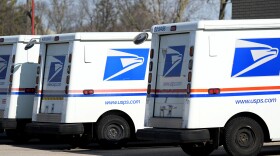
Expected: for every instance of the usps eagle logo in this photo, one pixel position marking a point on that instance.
(4, 59)
(126, 64)
(173, 61)
(56, 69)
(256, 57)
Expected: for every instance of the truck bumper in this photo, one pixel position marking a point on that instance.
(174, 135)
(54, 128)
(7, 123)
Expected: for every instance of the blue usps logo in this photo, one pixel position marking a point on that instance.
(256, 57)
(126, 64)
(173, 61)
(4, 60)
(56, 69)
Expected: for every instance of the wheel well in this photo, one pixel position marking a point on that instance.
(257, 119)
(125, 116)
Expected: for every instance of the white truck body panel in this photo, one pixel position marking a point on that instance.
(17, 104)
(240, 58)
(107, 63)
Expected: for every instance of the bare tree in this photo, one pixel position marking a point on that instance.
(60, 15)
(202, 10)
(41, 9)
(105, 15)
(180, 9)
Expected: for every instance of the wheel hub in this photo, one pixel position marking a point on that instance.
(114, 132)
(245, 137)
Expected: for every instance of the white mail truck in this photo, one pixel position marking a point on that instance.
(214, 83)
(91, 86)
(17, 83)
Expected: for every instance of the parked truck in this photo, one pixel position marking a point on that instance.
(90, 86)
(214, 83)
(17, 83)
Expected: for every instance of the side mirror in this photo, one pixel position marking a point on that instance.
(30, 44)
(140, 38)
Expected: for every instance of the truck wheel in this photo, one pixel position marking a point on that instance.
(17, 135)
(200, 149)
(243, 136)
(113, 131)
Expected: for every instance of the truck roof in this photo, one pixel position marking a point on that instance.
(90, 36)
(219, 25)
(17, 38)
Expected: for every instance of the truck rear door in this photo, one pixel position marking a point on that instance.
(53, 89)
(172, 76)
(5, 62)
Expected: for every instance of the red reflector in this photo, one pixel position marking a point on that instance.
(1, 39)
(173, 28)
(56, 38)
(214, 91)
(29, 90)
(88, 91)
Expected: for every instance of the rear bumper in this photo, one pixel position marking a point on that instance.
(174, 135)
(54, 128)
(7, 123)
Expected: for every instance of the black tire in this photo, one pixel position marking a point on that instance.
(198, 149)
(113, 131)
(17, 136)
(243, 136)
